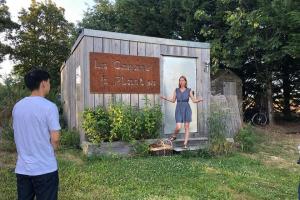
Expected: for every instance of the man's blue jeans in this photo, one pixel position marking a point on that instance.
(43, 187)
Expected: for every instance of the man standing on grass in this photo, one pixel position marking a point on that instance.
(36, 133)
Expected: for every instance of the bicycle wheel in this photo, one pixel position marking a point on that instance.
(259, 119)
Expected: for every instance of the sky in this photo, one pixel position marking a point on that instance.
(74, 10)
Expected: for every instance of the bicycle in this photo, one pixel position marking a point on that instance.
(260, 118)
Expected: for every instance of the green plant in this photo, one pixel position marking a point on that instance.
(96, 124)
(7, 132)
(140, 148)
(129, 123)
(188, 154)
(139, 126)
(217, 132)
(246, 138)
(122, 122)
(204, 153)
(103, 122)
(152, 121)
(10, 93)
(69, 138)
(7, 142)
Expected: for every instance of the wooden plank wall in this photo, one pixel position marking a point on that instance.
(125, 98)
(98, 47)
(78, 87)
(206, 93)
(73, 94)
(66, 92)
(133, 49)
(229, 88)
(123, 47)
(63, 92)
(80, 57)
(83, 99)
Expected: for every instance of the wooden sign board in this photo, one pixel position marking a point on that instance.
(117, 74)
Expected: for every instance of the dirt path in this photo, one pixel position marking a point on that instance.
(283, 128)
(279, 148)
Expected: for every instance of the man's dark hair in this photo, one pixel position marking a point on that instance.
(34, 78)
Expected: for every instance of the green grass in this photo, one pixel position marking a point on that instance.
(261, 175)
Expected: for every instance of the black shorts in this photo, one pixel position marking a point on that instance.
(43, 187)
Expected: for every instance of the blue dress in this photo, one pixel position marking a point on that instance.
(183, 111)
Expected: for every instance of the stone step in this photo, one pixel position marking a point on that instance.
(196, 142)
(181, 135)
(190, 148)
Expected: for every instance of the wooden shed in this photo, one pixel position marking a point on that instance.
(226, 82)
(80, 80)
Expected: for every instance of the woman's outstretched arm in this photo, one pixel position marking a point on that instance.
(194, 99)
(173, 99)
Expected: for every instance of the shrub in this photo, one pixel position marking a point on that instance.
(7, 142)
(217, 133)
(204, 153)
(141, 148)
(69, 138)
(189, 154)
(8, 132)
(152, 121)
(96, 124)
(139, 126)
(12, 91)
(122, 122)
(246, 138)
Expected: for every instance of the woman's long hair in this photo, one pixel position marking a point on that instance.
(185, 81)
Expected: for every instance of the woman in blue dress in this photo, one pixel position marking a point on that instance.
(183, 112)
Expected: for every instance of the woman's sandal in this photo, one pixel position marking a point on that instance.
(172, 138)
(185, 146)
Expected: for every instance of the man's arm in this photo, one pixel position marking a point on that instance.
(54, 139)
(53, 126)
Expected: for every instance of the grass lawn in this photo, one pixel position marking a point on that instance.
(270, 173)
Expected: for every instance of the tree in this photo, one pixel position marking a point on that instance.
(255, 37)
(258, 38)
(6, 25)
(43, 40)
(158, 18)
(102, 16)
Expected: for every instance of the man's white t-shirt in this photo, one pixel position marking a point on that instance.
(33, 119)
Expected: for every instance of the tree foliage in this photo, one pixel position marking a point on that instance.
(258, 39)
(43, 40)
(6, 26)
(167, 18)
